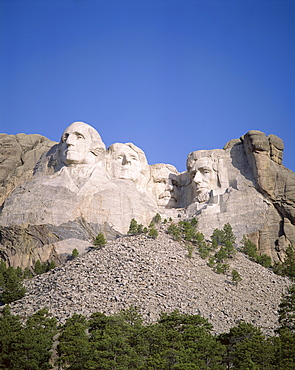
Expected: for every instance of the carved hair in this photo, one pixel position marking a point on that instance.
(142, 158)
(160, 166)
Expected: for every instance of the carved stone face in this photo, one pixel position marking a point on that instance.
(125, 163)
(76, 144)
(165, 186)
(204, 178)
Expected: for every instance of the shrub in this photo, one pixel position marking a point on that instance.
(75, 253)
(248, 247)
(174, 231)
(190, 250)
(133, 227)
(153, 233)
(157, 218)
(100, 240)
(250, 250)
(236, 277)
(287, 268)
(12, 286)
(264, 260)
(152, 224)
(221, 268)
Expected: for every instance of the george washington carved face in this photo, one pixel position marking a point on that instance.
(80, 144)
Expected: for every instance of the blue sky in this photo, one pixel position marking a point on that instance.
(171, 76)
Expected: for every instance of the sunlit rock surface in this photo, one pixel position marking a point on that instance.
(59, 195)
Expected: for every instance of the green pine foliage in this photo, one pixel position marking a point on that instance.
(250, 250)
(11, 284)
(157, 218)
(224, 235)
(152, 224)
(75, 253)
(220, 268)
(74, 347)
(26, 346)
(222, 242)
(246, 348)
(100, 240)
(236, 277)
(133, 227)
(287, 268)
(41, 268)
(153, 233)
(190, 250)
(122, 341)
(287, 310)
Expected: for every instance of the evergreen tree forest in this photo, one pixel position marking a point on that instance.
(176, 341)
(122, 341)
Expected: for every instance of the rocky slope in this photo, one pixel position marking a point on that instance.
(156, 276)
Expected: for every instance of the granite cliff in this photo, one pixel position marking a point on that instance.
(57, 197)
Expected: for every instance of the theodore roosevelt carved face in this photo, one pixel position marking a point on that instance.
(80, 144)
(165, 184)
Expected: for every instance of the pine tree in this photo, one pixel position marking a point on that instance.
(74, 348)
(236, 277)
(133, 227)
(100, 240)
(157, 218)
(13, 289)
(153, 233)
(287, 310)
(75, 253)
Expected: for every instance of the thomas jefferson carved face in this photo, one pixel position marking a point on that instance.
(165, 185)
(80, 144)
(204, 178)
(126, 162)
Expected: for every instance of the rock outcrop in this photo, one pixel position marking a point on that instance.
(79, 188)
(18, 157)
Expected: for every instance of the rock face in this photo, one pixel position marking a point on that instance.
(156, 276)
(79, 188)
(18, 157)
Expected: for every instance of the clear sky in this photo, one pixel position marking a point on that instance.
(171, 76)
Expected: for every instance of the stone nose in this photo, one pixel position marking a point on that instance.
(169, 185)
(126, 160)
(198, 177)
(70, 140)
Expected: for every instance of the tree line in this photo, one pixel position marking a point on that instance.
(177, 341)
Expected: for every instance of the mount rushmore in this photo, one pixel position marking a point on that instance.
(55, 197)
